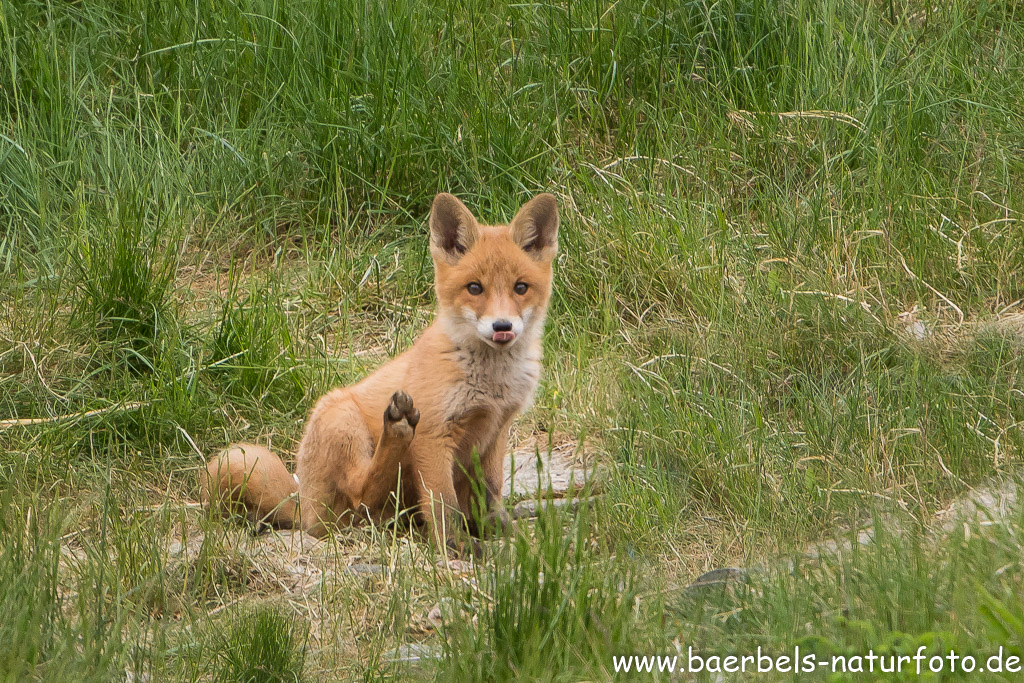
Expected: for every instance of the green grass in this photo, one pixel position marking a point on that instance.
(956, 592)
(260, 647)
(548, 609)
(788, 298)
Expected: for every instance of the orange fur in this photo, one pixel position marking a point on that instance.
(407, 433)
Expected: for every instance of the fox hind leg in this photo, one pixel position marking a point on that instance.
(381, 478)
(330, 463)
(343, 477)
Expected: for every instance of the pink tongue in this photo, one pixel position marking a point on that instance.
(503, 336)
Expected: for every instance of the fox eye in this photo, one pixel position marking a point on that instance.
(521, 288)
(475, 288)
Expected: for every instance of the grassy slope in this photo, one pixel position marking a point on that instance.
(215, 210)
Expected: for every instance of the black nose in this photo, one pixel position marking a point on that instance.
(502, 326)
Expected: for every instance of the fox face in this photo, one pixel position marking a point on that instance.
(493, 283)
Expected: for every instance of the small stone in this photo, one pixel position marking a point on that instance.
(456, 566)
(717, 578)
(532, 508)
(917, 330)
(294, 541)
(434, 616)
(190, 547)
(558, 469)
(365, 569)
(412, 652)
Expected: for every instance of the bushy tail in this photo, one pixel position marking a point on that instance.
(250, 480)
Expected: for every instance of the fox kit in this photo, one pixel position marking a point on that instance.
(407, 433)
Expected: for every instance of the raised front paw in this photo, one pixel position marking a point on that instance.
(401, 417)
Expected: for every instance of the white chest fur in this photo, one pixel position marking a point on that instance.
(495, 380)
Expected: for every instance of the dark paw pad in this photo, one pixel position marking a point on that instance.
(401, 408)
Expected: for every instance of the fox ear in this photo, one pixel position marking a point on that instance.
(535, 227)
(453, 229)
